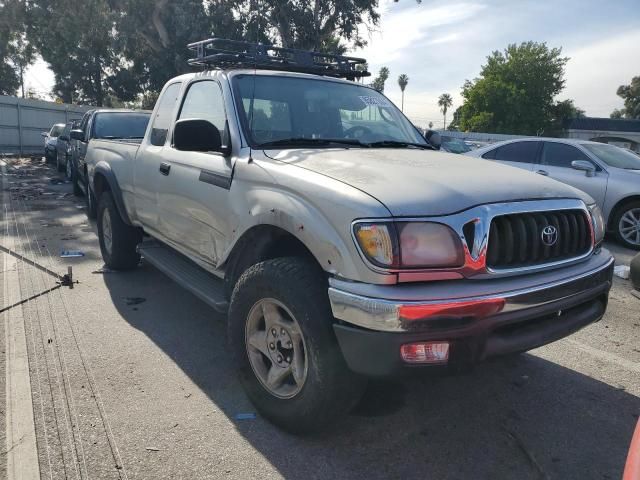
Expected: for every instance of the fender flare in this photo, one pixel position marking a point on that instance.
(104, 169)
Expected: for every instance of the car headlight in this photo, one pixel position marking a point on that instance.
(597, 219)
(410, 244)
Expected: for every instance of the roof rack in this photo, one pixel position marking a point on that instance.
(226, 54)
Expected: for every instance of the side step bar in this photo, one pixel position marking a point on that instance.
(186, 273)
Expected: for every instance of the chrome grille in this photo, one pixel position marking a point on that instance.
(527, 239)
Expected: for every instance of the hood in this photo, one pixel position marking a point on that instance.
(412, 182)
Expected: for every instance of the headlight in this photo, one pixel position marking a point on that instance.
(409, 245)
(429, 245)
(598, 223)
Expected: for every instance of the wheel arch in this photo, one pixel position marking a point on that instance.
(105, 180)
(260, 243)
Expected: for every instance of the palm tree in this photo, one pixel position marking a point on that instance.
(402, 81)
(444, 102)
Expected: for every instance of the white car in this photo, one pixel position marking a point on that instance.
(51, 141)
(611, 175)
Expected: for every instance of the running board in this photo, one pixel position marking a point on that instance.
(186, 273)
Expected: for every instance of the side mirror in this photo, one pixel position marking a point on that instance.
(433, 138)
(76, 134)
(197, 135)
(585, 166)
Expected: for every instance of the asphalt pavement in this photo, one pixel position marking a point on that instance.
(130, 378)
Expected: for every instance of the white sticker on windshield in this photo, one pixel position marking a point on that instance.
(375, 101)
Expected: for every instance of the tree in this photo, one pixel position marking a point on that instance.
(16, 54)
(403, 80)
(379, 81)
(631, 96)
(562, 112)
(515, 90)
(617, 113)
(430, 124)
(444, 102)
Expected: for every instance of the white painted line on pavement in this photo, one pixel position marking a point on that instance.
(22, 453)
(605, 356)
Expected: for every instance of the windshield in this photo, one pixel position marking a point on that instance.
(120, 125)
(454, 145)
(614, 156)
(278, 108)
(56, 130)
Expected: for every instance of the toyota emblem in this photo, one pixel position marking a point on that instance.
(549, 235)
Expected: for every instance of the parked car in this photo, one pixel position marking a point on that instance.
(50, 141)
(611, 175)
(64, 148)
(340, 254)
(109, 125)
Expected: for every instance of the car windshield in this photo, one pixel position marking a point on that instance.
(120, 125)
(454, 145)
(614, 156)
(56, 130)
(288, 112)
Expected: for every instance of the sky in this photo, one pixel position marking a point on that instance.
(440, 44)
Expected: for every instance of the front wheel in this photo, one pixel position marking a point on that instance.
(627, 225)
(92, 208)
(118, 241)
(282, 341)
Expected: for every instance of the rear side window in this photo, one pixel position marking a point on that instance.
(560, 155)
(120, 125)
(520, 152)
(491, 154)
(162, 119)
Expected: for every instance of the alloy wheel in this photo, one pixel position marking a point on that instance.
(629, 226)
(276, 348)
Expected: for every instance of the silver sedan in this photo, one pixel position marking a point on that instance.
(611, 175)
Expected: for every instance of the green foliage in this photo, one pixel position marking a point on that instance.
(631, 96)
(403, 80)
(16, 53)
(515, 91)
(379, 81)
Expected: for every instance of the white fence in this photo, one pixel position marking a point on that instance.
(23, 120)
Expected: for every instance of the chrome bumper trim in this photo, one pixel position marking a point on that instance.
(383, 315)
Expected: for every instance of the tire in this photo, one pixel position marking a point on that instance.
(118, 247)
(624, 219)
(92, 208)
(328, 389)
(77, 191)
(68, 169)
(59, 166)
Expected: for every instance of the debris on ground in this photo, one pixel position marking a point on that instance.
(71, 254)
(152, 449)
(622, 271)
(104, 270)
(134, 300)
(245, 416)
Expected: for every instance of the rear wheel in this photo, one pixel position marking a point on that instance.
(92, 208)
(282, 341)
(118, 241)
(627, 225)
(77, 191)
(59, 166)
(68, 168)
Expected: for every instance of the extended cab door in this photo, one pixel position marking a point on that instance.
(555, 162)
(194, 186)
(146, 171)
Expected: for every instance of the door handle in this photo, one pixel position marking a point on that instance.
(165, 168)
(542, 172)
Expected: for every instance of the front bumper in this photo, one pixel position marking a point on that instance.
(479, 318)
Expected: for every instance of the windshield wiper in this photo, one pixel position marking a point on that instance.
(399, 144)
(312, 141)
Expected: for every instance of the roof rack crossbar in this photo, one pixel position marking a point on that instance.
(227, 54)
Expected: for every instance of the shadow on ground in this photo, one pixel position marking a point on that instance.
(521, 417)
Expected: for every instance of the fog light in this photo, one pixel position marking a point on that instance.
(425, 352)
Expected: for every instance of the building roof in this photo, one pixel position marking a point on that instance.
(603, 124)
